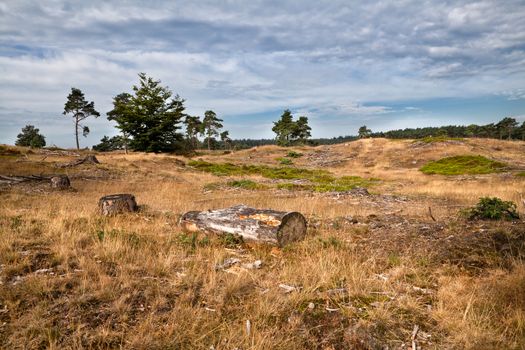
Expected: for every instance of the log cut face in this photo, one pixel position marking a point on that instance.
(259, 225)
(60, 182)
(117, 204)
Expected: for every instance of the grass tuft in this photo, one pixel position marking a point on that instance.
(463, 165)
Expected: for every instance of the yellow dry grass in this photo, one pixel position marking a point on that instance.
(70, 279)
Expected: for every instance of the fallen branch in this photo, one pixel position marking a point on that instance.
(14, 180)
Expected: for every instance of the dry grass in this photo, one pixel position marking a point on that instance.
(71, 279)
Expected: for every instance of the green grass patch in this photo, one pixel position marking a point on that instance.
(244, 184)
(228, 169)
(320, 180)
(522, 174)
(294, 187)
(285, 161)
(463, 165)
(342, 184)
(434, 139)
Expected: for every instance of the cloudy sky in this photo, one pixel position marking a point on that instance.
(386, 64)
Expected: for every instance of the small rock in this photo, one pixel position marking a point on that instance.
(311, 306)
(287, 288)
(257, 264)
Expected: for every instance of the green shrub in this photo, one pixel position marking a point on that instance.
(192, 241)
(522, 174)
(493, 209)
(293, 154)
(460, 165)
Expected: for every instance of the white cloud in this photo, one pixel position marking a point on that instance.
(341, 59)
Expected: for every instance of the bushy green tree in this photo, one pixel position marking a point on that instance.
(30, 137)
(211, 125)
(80, 109)
(364, 132)
(301, 131)
(150, 116)
(284, 128)
(289, 131)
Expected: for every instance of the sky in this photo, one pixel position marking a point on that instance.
(343, 64)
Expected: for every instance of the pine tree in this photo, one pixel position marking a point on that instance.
(284, 128)
(194, 126)
(211, 126)
(302, 129)
(364, 132)
(80, 109)
(150, 117)
(30, 137)
(225, 138)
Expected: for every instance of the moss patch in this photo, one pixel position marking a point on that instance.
(460, 165)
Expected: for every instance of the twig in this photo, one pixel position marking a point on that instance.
(430, 213)
(414, 336)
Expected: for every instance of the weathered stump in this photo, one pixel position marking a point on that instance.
(60, 182)
(259, 225)
(117, 204)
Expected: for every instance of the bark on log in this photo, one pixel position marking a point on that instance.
(60, 182)
(259, 225)
(117, 204)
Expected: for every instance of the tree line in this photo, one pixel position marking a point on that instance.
(508, 128)
(152, 119)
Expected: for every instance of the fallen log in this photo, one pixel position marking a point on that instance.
(117, 204)
(258, 225)
(91, 159)
(13, 180)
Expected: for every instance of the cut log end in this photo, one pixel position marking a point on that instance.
(258, 225)
(60, 182)
(292, 228)
(117, 204)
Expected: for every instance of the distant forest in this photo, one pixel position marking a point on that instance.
(507, 128)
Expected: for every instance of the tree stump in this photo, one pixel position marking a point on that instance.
(117, 204)
(258, 225)
(60, 182)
